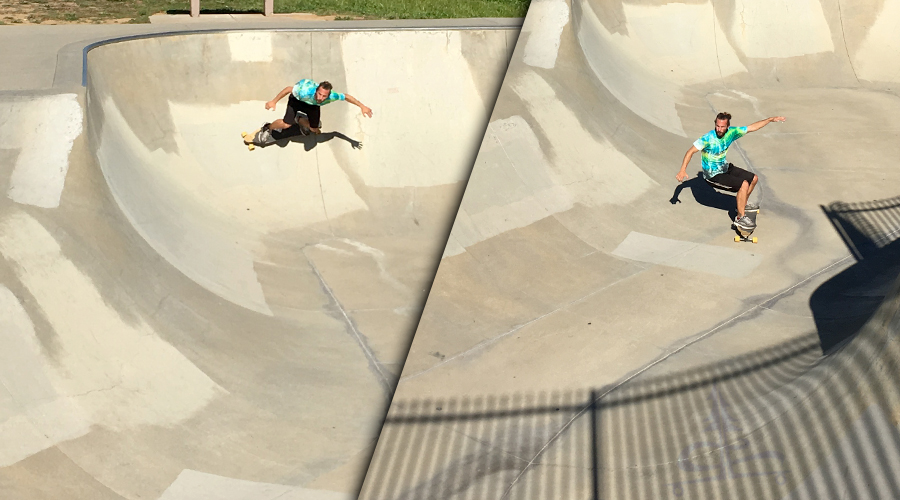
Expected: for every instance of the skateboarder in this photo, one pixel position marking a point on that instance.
(713, 146)
(305, 99)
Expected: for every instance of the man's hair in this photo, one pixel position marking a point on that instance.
(326, 85)
(724, 116)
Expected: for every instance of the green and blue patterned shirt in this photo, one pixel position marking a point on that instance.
(305, 90)
(712, 150)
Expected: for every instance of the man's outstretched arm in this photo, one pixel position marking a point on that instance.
(753, 127)
(682, 174)
(271, 104)
(365, 109)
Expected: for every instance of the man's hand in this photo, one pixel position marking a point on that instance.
(681, 176)
(366, 111)
(270, 105)
(778, 118)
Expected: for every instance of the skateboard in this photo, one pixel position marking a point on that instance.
(743, 234)
(263, 137)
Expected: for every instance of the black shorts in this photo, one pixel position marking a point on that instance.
(731, 179)
(297, 108)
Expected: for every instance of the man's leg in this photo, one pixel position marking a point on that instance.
(289, 115)
(312, 116)
(752, 185)
(746, 178)
(278, 124)
(742, 196)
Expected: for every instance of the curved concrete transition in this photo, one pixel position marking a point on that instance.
(594, 332)
(183, 318)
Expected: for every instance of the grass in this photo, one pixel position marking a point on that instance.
(139, 11)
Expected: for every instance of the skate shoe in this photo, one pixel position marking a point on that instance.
(264, 135)
(751, 207)
(744, 223)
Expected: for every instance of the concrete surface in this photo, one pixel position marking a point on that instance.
(593, 330)
(181, 318)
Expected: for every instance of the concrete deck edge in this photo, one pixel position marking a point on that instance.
(71, 58)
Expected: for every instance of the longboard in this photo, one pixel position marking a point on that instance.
(744, 235)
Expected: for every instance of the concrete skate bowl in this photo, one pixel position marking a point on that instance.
(594, 332)
(197, 320)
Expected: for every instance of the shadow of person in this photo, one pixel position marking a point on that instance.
(292, 134)
(312, 141)
(706, 195)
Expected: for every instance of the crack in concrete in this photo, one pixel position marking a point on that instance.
(374, 363)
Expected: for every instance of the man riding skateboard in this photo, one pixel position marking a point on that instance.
(716, 171)
(304, 105)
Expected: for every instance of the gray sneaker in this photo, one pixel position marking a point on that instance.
(751, 207)
(264, 135)
(744, 223)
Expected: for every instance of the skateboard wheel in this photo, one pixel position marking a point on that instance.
(243, 134)
(737, 239)
(251, 147)
(754, 239)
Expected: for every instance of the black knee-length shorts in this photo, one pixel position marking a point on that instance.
(297, 108)
(731, 179)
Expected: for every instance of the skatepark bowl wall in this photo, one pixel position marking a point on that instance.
(591, 334)
(191, 319)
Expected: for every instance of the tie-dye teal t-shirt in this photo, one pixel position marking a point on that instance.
(713, 149)
(305, 90)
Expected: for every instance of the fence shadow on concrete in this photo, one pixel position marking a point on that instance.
(871, 232)
(784, 422)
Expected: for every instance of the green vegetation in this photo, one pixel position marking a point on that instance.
(407, 9)
(139, 11)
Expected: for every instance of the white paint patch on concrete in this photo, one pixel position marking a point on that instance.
(179, 202)
(780, 28)
(339, 251)
(426, 127)
(33, 416)
(749, 98)
(544, 25)
(379, 258)
(667, 47)
(43, 130)
(104, 371)
(253, 46)
(594, 173)
(512, 186)
(876, 59)
(721, 261)
(865, 462)
(193, 485)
